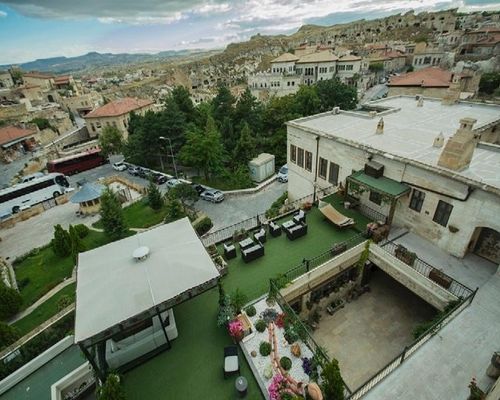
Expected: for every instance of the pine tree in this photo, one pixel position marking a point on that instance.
(245, 148)
(333, 385)
(76, 243)
(61, 243)
(10, 301)
(112, 215)
(155, 200)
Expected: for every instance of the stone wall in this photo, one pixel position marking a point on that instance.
(13, 112)
(414, 90)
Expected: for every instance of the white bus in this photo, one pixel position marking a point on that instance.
(24, 195)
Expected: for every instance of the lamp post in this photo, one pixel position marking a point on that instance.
(171, 152)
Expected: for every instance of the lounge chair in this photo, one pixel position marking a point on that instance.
(229, 251)
(335, 217)
(299, 217)
(261, 236)
(231, 362)
(274, 229)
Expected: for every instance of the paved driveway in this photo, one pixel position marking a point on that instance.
(237, 208)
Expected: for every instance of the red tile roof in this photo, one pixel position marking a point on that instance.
(10, 133)
(426, 77)
(119, 107)
(61, 79)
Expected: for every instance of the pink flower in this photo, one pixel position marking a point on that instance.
(276, 386)
(236, 328)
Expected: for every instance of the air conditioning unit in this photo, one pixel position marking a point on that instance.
(374, 169)
(336, 110)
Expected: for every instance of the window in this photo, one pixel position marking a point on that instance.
(442, 214)
(375, 197)
(293, 153)
(323, 166)
(309, 161)
(300, 158)
(417, 200)
(349, 67)
(332, 69)
(333, 174)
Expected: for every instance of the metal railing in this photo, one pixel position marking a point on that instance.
(227, 232)
(307, 265)
(456, 288)
(412, 348)
(307, 338)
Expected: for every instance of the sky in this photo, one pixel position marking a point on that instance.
(32, 29)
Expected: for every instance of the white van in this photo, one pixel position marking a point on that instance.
(283, 174)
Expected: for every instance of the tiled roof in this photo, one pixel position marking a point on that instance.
(11, 133)
(119, 107)
(62, 79)
(285, 57)
(349, 57)
(427, 77)
(321, 56)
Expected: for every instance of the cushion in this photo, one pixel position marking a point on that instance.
(231, 364)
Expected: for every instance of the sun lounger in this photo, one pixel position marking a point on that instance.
(334, 216)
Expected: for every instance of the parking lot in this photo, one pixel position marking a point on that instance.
(37, 231)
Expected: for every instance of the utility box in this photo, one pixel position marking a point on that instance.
(261, 167)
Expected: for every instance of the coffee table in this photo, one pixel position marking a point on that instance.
(246, 243)
(241, 385)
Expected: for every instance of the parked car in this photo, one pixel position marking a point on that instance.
(171, 183)
(133, 170)
(119, 166)
(283, 174)
(199, 188)
(142, 172)
(159, 179)
(215, 196)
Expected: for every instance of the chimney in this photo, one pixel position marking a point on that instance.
(458, 151)
(452, 94)
(439, 140)
(420, 102)
(380, 127)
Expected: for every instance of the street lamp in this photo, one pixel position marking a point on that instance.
(171, 152)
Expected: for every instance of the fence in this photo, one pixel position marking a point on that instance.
(320, 259)
(253, 222)
(456, 288)
(306, 337)
(409, 350)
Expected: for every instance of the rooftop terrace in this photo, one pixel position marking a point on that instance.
(192, 369)
(409, 131)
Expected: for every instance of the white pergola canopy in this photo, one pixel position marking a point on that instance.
(113, 286)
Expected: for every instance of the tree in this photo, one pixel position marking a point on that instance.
(248, 111)
(222, 104)
(110, 141)
(333, 93)
(41, 123)
(111, 389)
(154, 197)
(174, 211)
(376, 67)
(307, 101)
(181, 97)
(228, 135)
(76, 243)
(204, 151)
(333, 385)
(8, 335)
(61, 243)
(112, 215)
(185, 193)
(245, 148)
(10, 301)
(490, 83)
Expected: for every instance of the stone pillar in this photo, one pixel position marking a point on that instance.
(458, 151)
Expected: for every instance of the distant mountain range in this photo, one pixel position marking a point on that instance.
(94, 59)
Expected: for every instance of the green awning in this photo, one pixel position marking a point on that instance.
(383, 185)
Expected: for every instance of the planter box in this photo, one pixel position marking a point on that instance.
(440, 278)
(248, 328)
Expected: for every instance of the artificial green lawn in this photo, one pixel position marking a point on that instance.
(140, 215)
(45, 270)
(192, 369)
(45, 311)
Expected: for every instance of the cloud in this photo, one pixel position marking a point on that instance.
(3, 14)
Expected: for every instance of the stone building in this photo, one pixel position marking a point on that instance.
(480, 44)
(116, 114)
(289, 71)
(6, 81)
(15, 139)
(434, 82)
(435, 148)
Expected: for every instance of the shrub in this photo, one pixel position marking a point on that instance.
(155, 200)
(333, 386)
(238, 300)
(23, 283)
(112, 389)
(265, 349)
(8, 335)
(203, 226)
(174, 211)
(63, 302)
(273, 211)
(10, 301)
(82, 230)
(285, 363)
(250, 310)
(61, 243)
(260, 325)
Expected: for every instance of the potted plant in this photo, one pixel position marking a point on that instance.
(236, 330)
